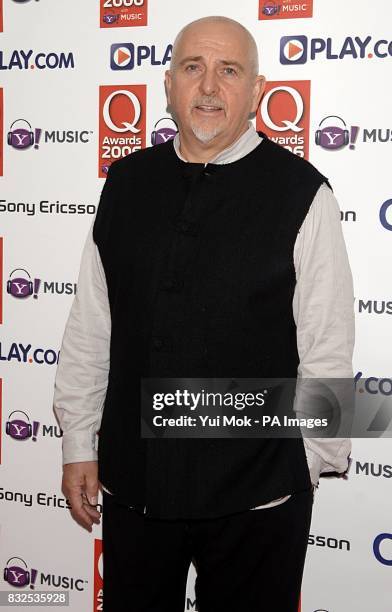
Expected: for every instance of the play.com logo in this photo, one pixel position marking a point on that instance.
(300, 49)
(293, 50)
(125, 56)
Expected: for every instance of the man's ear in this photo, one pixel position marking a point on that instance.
(168, 82)
(258, 91)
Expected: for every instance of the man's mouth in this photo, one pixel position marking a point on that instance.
(208, 108)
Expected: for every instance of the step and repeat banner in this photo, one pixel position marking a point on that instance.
(81, 84)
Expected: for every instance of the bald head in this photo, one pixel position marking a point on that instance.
(213, 86)
(217, 24)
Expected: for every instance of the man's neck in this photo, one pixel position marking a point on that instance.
(195, 151)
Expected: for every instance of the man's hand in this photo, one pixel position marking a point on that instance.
(80, 487)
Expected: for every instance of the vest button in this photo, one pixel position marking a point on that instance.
(162, 343)
(183, 226)
(157, 343)
(172, 284)
(186, 227)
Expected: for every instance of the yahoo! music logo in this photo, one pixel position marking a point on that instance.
(333, 137)
(109, 19)
(123, 13)
(18, 576)
(165, 133)
(285, 9)
(23, 137)
(269, 9)
(21, 429)
(21, 287)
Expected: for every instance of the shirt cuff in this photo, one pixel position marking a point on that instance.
(79, 446)
(338, 451)
(315, 465)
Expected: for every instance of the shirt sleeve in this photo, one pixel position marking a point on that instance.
(82, 373)
(323, 310)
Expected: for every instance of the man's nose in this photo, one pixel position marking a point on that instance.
(209, 83)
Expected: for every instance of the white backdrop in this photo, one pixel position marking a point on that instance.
(55, 57)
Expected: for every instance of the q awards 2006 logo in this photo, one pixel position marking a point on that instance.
(284, 115)
(122, 124)
(1, 414)
(1, 131)
(123, 13)
(1, 280)
(285, 9)
(98, 576)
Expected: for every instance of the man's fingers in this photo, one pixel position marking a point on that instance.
(91, 489)
(78, 510)
(93, 513)
(83, 513)
(90, 497)
(90, 509)
(80, 486)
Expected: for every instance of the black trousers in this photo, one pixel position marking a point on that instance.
(246, 562)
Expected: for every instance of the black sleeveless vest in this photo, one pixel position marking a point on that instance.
(200, 274)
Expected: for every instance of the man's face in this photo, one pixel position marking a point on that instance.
(212, 89)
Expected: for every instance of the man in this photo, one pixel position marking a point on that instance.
(217, 254)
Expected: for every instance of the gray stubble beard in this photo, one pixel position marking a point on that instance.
(204, 135)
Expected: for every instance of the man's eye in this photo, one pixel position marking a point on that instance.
(191, 68)
(229, 71)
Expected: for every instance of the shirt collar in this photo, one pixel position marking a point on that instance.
(241, 147)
